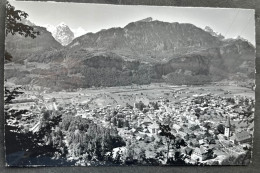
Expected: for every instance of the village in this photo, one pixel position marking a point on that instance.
(210, 128)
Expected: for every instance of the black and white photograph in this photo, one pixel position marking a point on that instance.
(91, 84)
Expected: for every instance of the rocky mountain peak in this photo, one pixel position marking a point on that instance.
(213, 33)
(62, 33)
(148, 19)
(62, 24)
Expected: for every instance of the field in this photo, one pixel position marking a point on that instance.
(100, 97)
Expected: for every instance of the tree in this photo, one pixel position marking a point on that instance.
(180, 142)
(126, 123)
(130, 152)
(113, 120)
(221, 128)
(14, 26)
(142, 154)
(117, 159)
(165, 130)
(208, 126)
(11, 94)
(140, 105)
(156, 106)
(129, 106)
(120, 123)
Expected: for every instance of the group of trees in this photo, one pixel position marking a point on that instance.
(119, 122)
(88, 139)
(136, 155)
(93, 142)
(172, 142)
(242, 159)
(58, 77)
(89, 76)
(140, 105)
(182, 79)
(145, 108)
(154, 105)
(43, 143)
(113, 77)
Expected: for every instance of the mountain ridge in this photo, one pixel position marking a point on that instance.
(142, 52)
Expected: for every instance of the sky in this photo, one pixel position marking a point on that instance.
(86, 17)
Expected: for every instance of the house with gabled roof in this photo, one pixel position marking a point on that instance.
(177, 127)
(200, 154)
(153, 128)
(241, 137)
(146, 122)
(187, 150)
(181, 134)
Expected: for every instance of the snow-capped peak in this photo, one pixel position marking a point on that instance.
(62, 24)
(79, 31)
(50, 28)
(62, 33)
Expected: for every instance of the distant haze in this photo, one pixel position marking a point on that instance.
(83, 17)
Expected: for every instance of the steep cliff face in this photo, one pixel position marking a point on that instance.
(63, 34)
(238, 56)
(194, 64)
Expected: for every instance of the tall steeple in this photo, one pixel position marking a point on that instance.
(54, 106)
(227, 128)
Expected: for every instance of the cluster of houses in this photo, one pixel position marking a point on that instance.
(210, 125)
(187, 118)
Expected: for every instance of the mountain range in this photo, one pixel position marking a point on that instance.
(141, 52)
(64, 34)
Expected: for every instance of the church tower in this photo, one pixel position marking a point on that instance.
(54, 105)
(227, 128)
